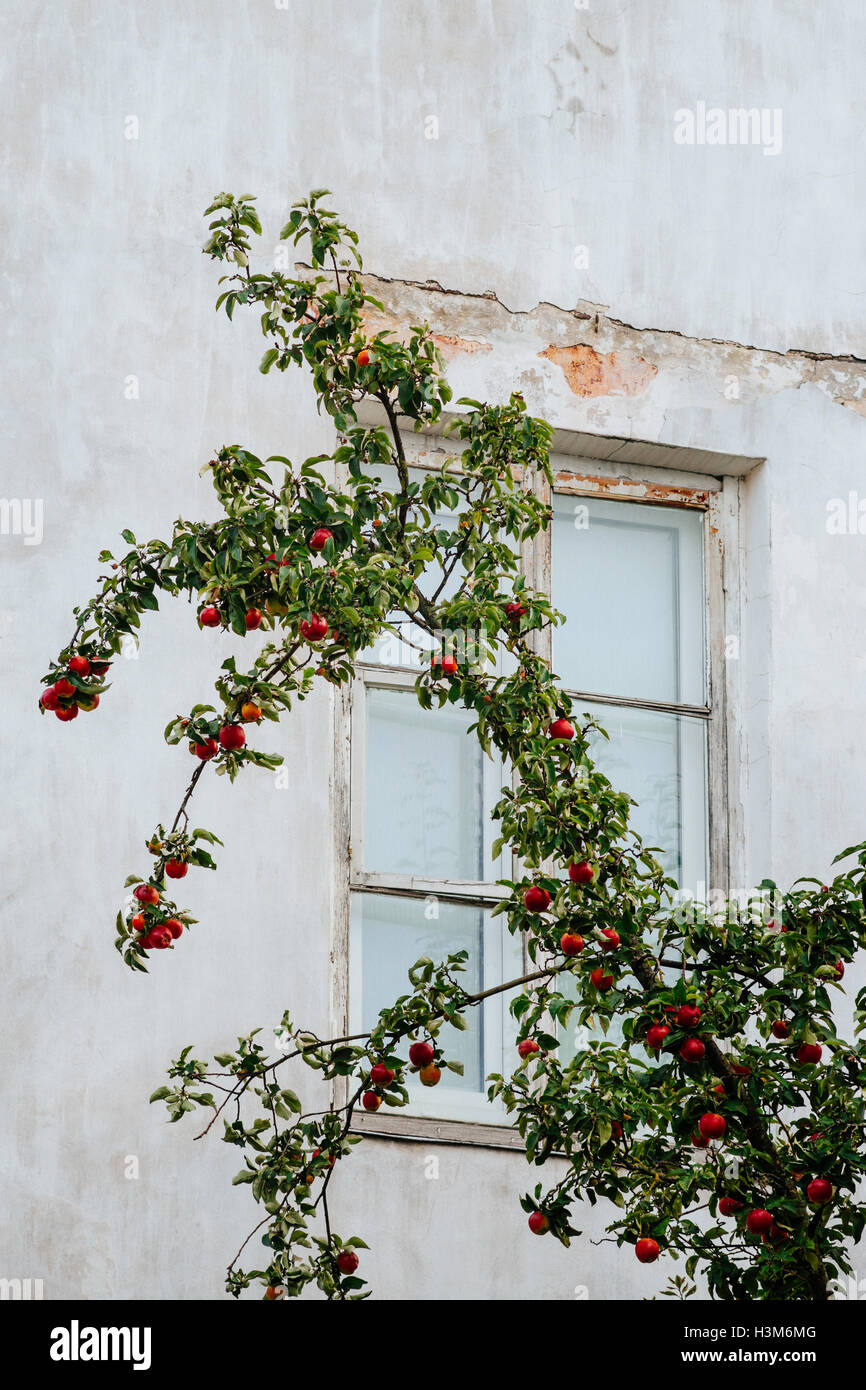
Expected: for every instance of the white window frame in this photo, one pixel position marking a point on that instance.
(718, 498)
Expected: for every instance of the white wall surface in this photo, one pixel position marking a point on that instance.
(555, 129)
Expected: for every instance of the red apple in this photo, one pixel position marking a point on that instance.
(536, 899)
(253, 619)
(421, 1054)
(430, 1076)
(656, 1034)
(808, 1054)
(449, 665)
(370, 1100)
(527, 1047)
(380, 1075)
(210, 616)
(514, 611)
(538, 1223)
(739, 1070)
(137, 922)
(647, 1250)
(692, 1050)
(561, 729)
(363, 358)
(759, 1221)
(581, 872)
(232, 737)
(176, 868)
(780, 1028)
(712, 1125)
(611, 940)
(347, 1262)
(570, 944)
(314, 629)
(64, 715)
(729, 1206)
(819, 1191)
(99, 668)
(146, 893)
(64, 688)
(839, 970)
(601, 981)
(320, 537)
(49, 699)
(272, 1292)
(79, 665)
(160, 937)
(688, 1016)
(174, 926)
(88, 702)
(699, 1142)
(206, 750)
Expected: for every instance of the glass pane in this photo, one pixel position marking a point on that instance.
(428, 791)
(660, 760)
(389, 935)
(629, 579)
(411, 646)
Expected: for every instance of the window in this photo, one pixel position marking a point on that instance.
(423, 878)
(631, 577)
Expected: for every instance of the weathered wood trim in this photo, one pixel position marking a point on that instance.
(733, 585)
(619, 489)
(717, 750)
(420, 1129)
(635, 702)
(471, 892)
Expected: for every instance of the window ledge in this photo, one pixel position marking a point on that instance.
(420, 1129)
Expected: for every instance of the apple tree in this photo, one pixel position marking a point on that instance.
(682, 1064)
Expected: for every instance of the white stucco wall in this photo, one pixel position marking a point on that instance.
(555, 130)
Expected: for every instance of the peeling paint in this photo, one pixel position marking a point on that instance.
(451, 346)
(377, 321)
(667, 494)
(605, 359)
(591, 373)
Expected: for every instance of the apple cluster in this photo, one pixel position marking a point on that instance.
(78, 687)
(312, 630)
(423, 1059)
(155, 923)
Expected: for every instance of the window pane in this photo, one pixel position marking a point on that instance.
(389, 935)
(660, 760)
(402, 648)
(428, 791)
(629, 579)
(411, 645)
